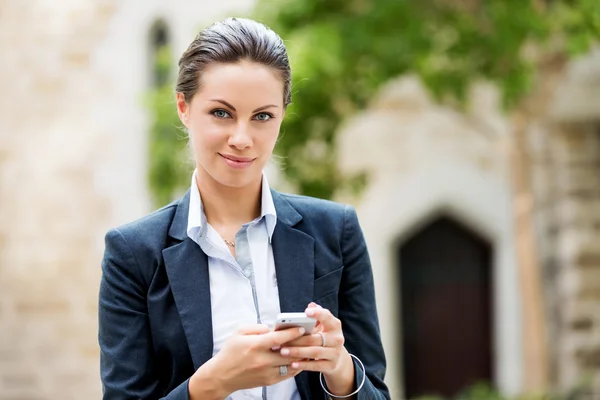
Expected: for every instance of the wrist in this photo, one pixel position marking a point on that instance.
(341, 381)
(206, 385)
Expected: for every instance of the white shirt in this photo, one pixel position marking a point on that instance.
(243, 290)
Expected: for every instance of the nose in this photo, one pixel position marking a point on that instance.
(240, 138)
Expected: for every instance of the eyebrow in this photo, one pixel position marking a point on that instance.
(233, 108)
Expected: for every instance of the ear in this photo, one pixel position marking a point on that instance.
(183, 109)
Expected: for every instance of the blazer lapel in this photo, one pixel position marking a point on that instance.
(293, 252)
(187, 269)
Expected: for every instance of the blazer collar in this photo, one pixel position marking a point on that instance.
(285, 214)
(178, 229)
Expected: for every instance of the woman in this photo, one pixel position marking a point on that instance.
(187, 290)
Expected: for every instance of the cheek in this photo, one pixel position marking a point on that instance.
(268, 137)
(205, 135)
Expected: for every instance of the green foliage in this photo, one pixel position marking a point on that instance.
(579, 20)
(169, 170)
(342, 51)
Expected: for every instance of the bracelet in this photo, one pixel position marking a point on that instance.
(359, 386)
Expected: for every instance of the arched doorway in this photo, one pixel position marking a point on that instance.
(446, 294)
(160, 54)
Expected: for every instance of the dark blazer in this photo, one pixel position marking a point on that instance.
(154, 309)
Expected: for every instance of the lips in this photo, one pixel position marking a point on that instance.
(236, 161)
(236, 158)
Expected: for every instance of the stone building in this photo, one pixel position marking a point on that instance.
(438, 199)
(73, 162)
(484, 233)
(515, 200)
(562, 137)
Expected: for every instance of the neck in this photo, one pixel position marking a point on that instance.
(225, 205)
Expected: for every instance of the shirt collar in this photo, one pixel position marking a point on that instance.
(197, 219)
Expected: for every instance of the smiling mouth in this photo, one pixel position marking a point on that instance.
(237, 162)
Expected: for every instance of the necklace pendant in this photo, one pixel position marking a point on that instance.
(227, 242)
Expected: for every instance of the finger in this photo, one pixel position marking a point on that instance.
(275, 359)
(314, 365)
(325, 317)
(306, 340)
(277, 338)
(291, 372)
(332, 340)
(313, 352)
(257, 329)
(317, 327)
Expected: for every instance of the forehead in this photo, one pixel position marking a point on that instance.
(244, 82)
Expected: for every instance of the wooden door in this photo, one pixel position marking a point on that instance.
(445, 281)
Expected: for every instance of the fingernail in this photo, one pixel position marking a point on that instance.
(295, 365)
(301, 331)
(285, 352)
(310, 312)
(275, 348)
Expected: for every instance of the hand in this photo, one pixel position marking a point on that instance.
(333, 360)
(248, 359)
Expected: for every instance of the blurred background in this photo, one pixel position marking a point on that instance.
(465, 132)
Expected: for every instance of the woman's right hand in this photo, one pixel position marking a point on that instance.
(248, 359)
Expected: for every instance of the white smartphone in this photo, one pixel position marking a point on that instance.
(292, 320)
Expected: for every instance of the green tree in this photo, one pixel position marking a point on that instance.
(169, 167)
(342, 51)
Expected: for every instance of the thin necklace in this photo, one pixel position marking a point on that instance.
(227, 242)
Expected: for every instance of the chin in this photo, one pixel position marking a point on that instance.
(236, 179)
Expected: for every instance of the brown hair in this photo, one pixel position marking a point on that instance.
(230, 41)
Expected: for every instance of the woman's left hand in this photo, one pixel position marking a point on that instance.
(323, 351)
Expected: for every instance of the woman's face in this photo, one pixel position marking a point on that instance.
(233, 121)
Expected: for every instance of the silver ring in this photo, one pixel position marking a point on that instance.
(323, 341)
(283, 370)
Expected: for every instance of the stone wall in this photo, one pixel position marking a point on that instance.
(50, 210)
(72, 164)
(570, 231)
(564, 149)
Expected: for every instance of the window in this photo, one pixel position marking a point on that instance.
(160, 55)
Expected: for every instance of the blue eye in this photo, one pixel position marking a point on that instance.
(221, 114)
(263, 117)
